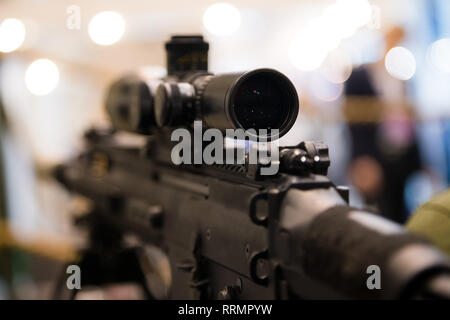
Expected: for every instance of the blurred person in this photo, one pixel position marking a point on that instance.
(381, 125)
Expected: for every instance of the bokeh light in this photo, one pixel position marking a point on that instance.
(42, 77)
(340, 20)
(439, 55)
(365, 46)
(306, 52)
(153, 72)
(346, 16)
(106, 28)
(222, 19)
(324, 90)
(337, 66)
(12, 35)
(400, 63)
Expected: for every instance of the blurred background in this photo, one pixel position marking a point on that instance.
(373, 79)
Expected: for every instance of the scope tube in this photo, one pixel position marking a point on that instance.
(258, 99)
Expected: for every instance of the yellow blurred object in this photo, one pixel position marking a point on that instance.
(393, 36)
(370, 109)
(433, 221)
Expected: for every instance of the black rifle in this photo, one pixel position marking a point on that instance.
(226, 230)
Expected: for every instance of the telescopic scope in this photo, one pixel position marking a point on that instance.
(257, 99)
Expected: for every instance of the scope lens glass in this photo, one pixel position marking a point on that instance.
(263, 101)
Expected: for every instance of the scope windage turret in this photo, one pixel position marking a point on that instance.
(258, 99)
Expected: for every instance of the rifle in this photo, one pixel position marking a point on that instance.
(227, 231)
